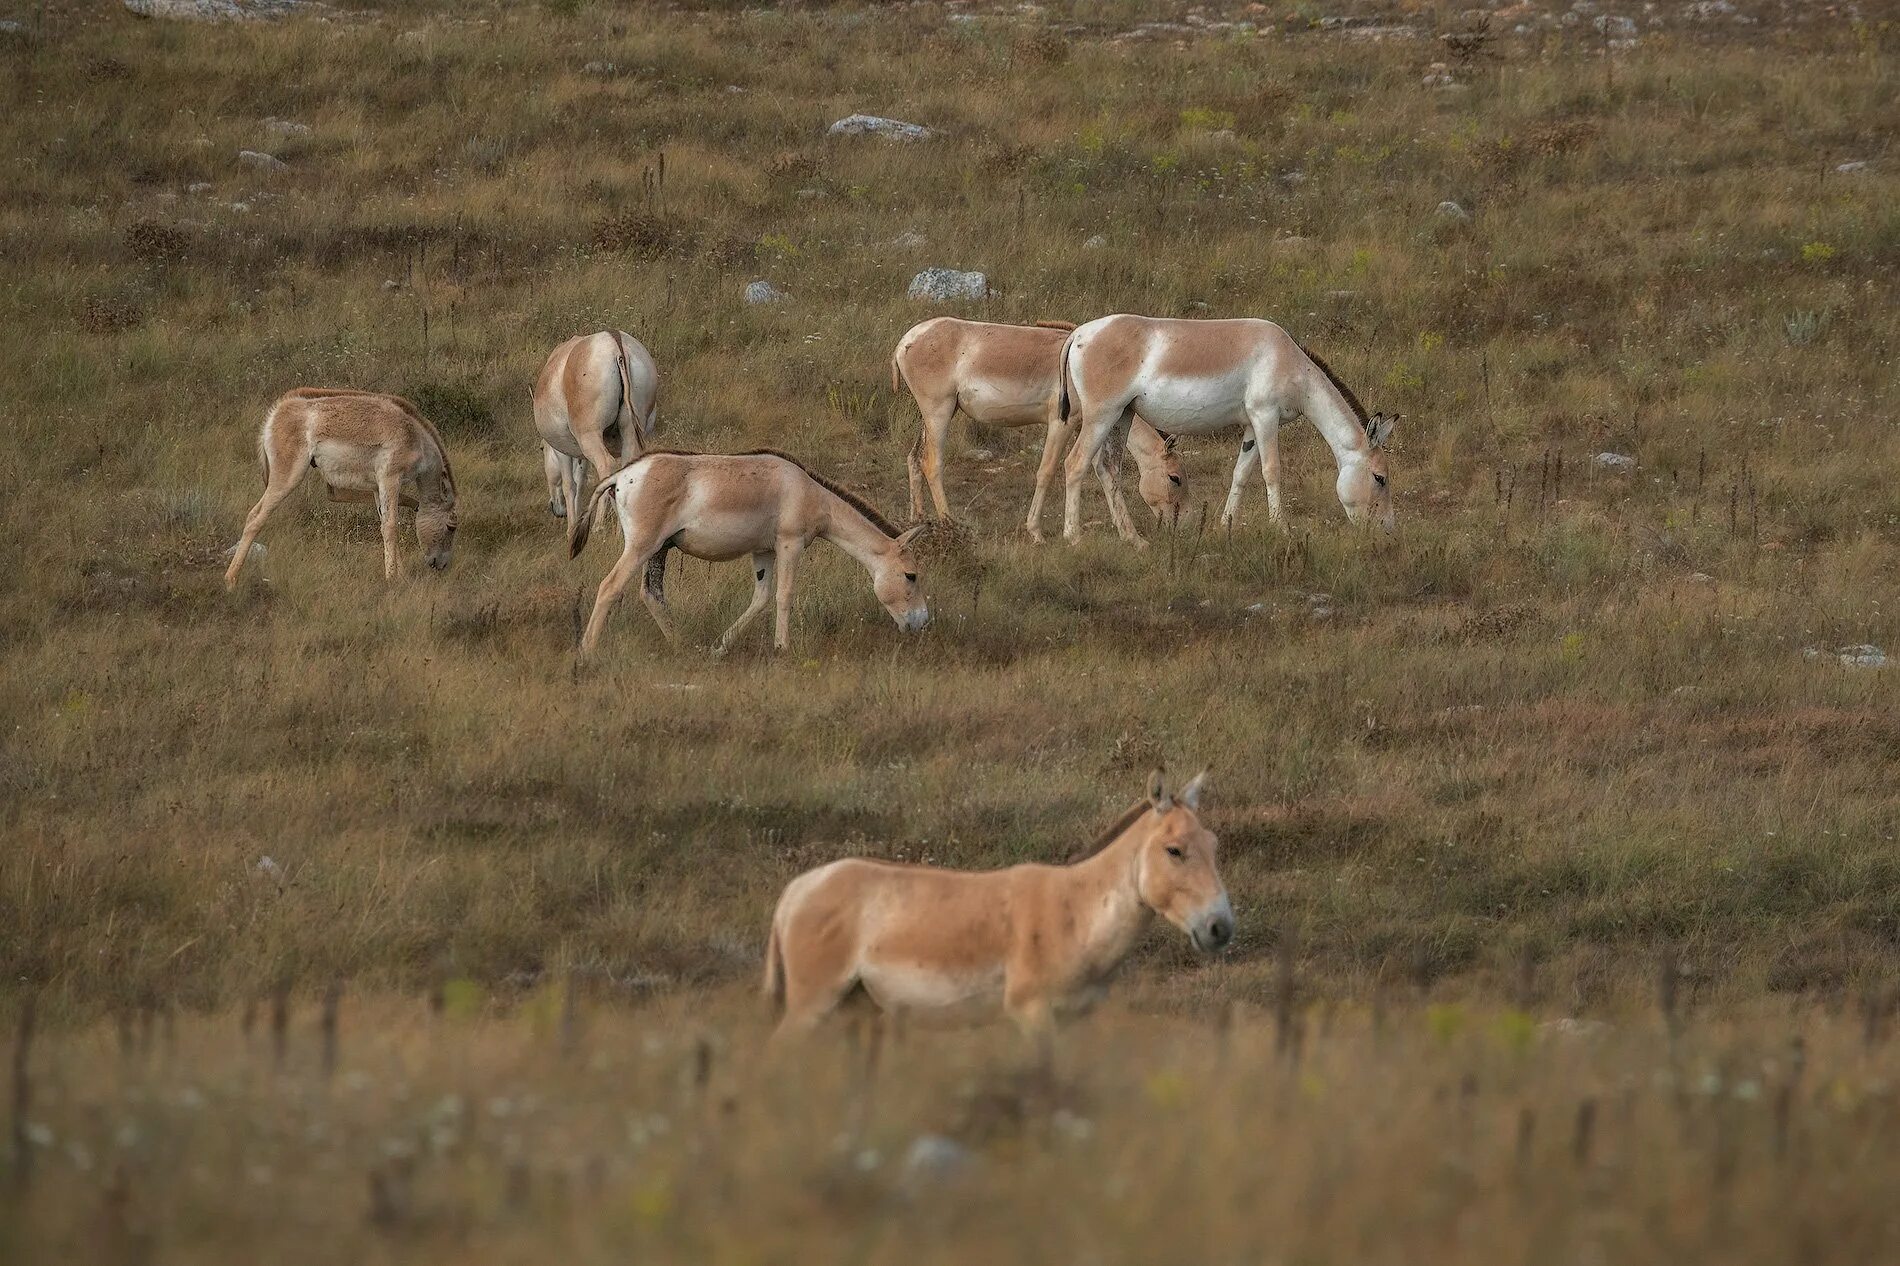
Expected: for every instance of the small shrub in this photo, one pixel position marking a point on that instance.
(643, 234)
(154, 243)
(1803, 326)
(456, 408)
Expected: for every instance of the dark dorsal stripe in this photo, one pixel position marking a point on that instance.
(1359, 410)
(1113, 833)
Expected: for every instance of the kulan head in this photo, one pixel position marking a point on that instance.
(435, 525)
(894, 578)
(1177, 874)
(1162, 486)
(1365, 485)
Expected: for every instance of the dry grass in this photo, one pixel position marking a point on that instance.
(1565, 716)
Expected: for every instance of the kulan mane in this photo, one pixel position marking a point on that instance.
(845, 495)
(1358, 410)
(1113, 833)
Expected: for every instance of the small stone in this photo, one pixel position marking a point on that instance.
(876, 125)
(1701, 578)
(262, 161)
(1852, 167)
(1616, 461)
(212, 10)
(932, 1160)
(1615, 26)
(763, 292)
(255, 556)
(390, 283)
(12, 28)
(1862, 657)
(1095, 243)
(599, 68)
(910, 240)
(199, 186)
(941, 285)
(287, 128)
(1452, 211)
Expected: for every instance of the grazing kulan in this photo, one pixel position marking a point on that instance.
(1034, 939)
(596, 390)
(366, 447)
(1201, 377)
(718, 507)
(1008, 375)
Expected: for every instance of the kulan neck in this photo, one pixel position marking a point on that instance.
(1333, 416)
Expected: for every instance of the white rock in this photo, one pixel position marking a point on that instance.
(1615, 26)
(268, 867)
(933, 1160)
(212, 10)
(942, 284)
(1452, 211)
(1862, 657)
(1095, 243)
(12, 28)
(910, 240)
(599, 68)
(763, 292)
(872, 124)
(255, 556)
(1615, 461)
(199, 186)
(261, 160)
(1851, 167)
(286, 128)
(1701, 578)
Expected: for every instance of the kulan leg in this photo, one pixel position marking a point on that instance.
(634, 552)
(763, 565)
(388, 510)
(1088, 448)
(1243, 462)
(788, 554)
(926, 458)
(554, 470)
(283, 476)
(1266, 429)
(1058, 432)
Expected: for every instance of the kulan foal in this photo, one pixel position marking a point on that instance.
(1036, 939)
(367, 447)
(719, 507)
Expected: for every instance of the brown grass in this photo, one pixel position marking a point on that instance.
(1566, 717)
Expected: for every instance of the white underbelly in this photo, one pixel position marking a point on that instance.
(344, 466)
(1002, 406)
(1191, 406)
(909, 986)
(718, 539)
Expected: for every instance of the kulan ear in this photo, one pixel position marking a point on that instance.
(908, 535)
(1379, 429)
(1190, 795)
(1158, 798)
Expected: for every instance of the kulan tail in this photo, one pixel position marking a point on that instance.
(1065, 402)
(630, 422)
(578, 532)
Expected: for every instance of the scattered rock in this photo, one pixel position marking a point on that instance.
(1616, 461)
(599, 68)
(262, 161)
(390, 283)
(268, 867)
(213, 10)
(1569, 1027)
(199, 186)
(933, 1160)
(1291, 244)
(763, 292)
(1452, 211)
(1095, 243)
(12, 28)
(1701, 578)
(1852, 167)
(940, 285)
(872, 124)
(1615, 26)
(1868, 656)
(910, 240)
(1438, 75)
(1223, 135)
(255, 556)
(287, 128)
